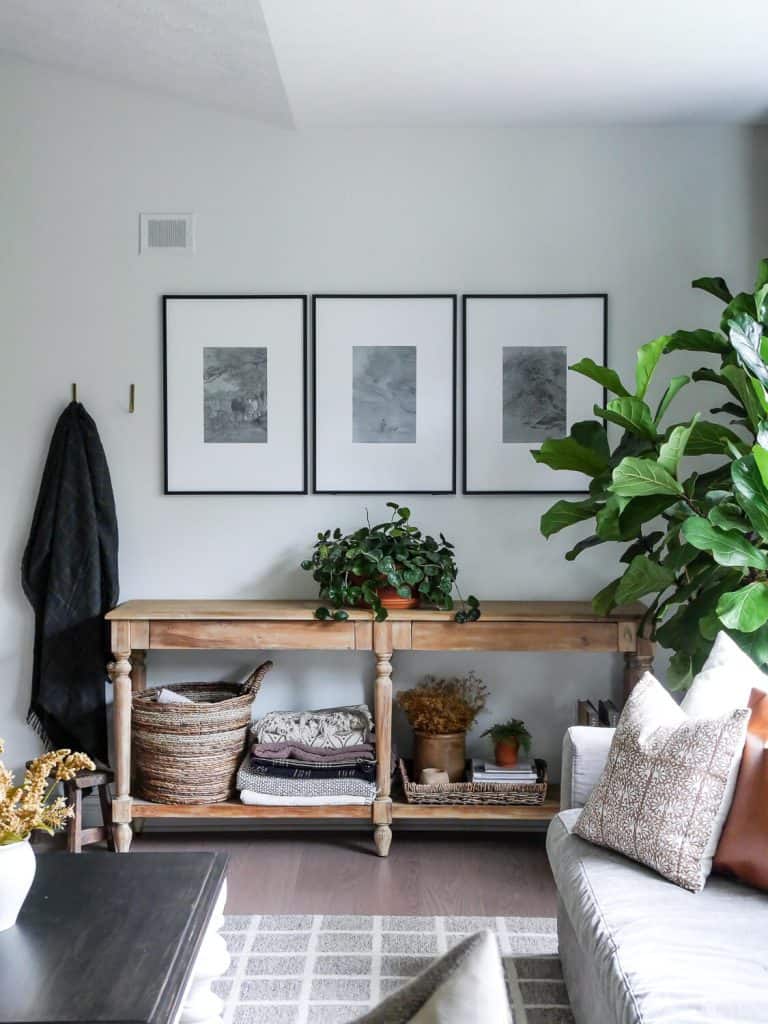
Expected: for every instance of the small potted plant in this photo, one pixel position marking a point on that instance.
(440, 712)
(509, 738)
(389, 565)
(24, 808)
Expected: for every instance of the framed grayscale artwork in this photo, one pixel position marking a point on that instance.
(384, 394)
(235, 394)
(517, 388)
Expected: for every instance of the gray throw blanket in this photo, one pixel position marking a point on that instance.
(315, 755)
(69, 574)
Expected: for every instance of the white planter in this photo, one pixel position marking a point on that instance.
(17, 871)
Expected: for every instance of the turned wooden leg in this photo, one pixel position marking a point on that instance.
(382, 807)
(637, 663)
(121, 804)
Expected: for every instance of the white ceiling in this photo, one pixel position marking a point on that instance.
(416, 62)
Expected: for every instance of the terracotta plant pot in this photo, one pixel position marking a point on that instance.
(506, 752)
(447, 752)
(389, 596)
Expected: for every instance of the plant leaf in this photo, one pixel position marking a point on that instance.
(746, 333)
(745, 609)
(740, 385)
(751, 494)
(675, 384)
(673, 448)
(728, 547)
(728, 516)
(566, 513)
(648, 356)
(680, 671)
(602, 375)
(697, 341)
(630, 413)
(715, 286)
(744, 302)
(605, 599)
(762, 275)
(643, 576)
(567, 453)
(708, 438)
(582, 545)
(634, 477)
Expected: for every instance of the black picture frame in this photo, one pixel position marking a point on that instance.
(603, 296)
(303, 299)
(453, 297)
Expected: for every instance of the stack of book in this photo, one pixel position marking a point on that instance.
(606, 713)
(486, 771)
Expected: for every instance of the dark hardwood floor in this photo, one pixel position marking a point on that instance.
(466, 873)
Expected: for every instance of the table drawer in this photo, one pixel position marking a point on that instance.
(191, 634)
(515, 636)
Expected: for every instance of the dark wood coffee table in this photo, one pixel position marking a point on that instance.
(115, 939)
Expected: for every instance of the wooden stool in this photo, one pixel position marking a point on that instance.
(77, 836)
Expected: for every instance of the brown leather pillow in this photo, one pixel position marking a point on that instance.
(743, 846)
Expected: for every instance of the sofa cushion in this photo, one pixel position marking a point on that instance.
(725, 681)
(662, 796)
(663, 955)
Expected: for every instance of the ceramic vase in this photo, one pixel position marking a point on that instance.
(445, 751)
(17, 871)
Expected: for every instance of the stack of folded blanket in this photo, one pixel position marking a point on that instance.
(311, 757)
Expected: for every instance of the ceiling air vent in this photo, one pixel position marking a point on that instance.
(166, 231)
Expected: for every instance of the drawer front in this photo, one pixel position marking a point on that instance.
(189, 634)
(515, 636)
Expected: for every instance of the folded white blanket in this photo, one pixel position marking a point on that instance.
(268, 800)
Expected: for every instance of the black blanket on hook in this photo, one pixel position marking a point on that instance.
(69, 574)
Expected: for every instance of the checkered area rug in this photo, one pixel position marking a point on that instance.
(325, 969)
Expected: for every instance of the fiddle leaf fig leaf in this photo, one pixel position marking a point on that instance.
(727, 547)
(634, 477)
(715, 286)
(746, 335)
(566, 513)
(607, 378)
(728, 516)
(675, 385)
(648, 357)
(751, 493)
(744, 302)
(760, 456)
(567, 453)
(762, 275)
(740, 386)
(582, 545)
(673, 448)
(745, 609)
(630, 413)
(708, 438)
(643, 576)
(697, 341)
(680, 671)
(605, 600)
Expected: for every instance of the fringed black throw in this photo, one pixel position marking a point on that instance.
(69, 574)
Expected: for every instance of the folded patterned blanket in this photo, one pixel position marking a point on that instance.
(287, 768)
(315, 755)
(248, 780)
(325, 727)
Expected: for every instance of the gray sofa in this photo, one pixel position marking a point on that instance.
(637, 949)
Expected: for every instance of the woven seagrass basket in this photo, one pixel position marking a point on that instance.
(190, 753)
(477, 793)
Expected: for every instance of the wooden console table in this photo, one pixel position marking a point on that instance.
(141, 626)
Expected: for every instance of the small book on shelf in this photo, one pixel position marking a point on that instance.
(485, 771)
(608, 712)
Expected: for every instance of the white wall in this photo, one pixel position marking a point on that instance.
(636, 212)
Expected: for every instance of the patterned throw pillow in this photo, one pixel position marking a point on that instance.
(660, 797)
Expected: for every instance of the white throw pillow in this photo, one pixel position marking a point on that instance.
(725, 681)
(467, 984)
(663, 796)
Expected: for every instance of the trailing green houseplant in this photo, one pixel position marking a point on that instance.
(697, 541)
(391, 557)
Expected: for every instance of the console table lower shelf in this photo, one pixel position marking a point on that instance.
(139, 627)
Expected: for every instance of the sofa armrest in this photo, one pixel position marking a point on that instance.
(585, 751)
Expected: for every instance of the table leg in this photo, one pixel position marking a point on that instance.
(120, 672)
(382, 807)
(637, 663)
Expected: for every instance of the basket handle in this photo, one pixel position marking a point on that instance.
(253, 682)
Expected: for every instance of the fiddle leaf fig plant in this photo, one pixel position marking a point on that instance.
(352, 568)
(696, 538)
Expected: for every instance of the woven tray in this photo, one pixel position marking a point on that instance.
(530, 794)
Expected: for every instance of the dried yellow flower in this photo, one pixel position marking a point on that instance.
(33, 804)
